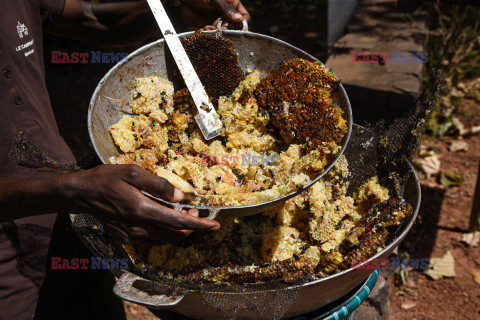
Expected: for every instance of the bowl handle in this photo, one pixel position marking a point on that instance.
(244, 22)
(212, 211)
(149, 295)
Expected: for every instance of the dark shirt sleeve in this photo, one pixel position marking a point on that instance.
(50, 9)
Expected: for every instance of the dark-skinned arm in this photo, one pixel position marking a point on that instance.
(112, 194)
(127, 23)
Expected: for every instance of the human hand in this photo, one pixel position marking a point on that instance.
(206, 13)
(112, 194)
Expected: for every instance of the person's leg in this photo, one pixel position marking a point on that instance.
(103, 303)
(75, 293)
(24, 244)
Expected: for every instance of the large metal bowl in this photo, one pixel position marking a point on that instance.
(255, 52)
(258, 52)
(274, 303)
(269, 301)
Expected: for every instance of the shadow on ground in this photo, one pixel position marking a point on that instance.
(421, 238)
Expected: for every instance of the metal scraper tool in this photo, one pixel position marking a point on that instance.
(207, 118)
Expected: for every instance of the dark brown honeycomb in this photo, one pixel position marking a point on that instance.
(290, 271)
(222, 263)
(374, 229)
(297, 95)
(216, 63)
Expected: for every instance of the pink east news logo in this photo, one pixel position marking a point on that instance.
(396, 57)
(244, 160)
(92, 263)
(88, 57)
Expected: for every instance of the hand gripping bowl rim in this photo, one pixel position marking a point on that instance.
(241, 210)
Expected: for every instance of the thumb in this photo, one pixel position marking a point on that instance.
(228, 11)
(156, 186)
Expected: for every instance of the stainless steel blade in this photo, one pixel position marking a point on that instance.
(207, 118)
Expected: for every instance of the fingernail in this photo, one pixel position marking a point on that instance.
(177, 195)
(194, 213)
(216, 226)
(238, 16)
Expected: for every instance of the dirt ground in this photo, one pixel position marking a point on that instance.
(136, 312)
(443, 219)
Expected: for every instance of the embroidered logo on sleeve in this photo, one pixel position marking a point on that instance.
(22, 31)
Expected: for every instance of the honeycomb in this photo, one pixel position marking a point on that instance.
(215, 61)
(297, 95)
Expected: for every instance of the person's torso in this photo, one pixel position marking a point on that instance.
(25, 109)
(24, 102)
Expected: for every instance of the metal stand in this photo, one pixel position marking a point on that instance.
(345, 307)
